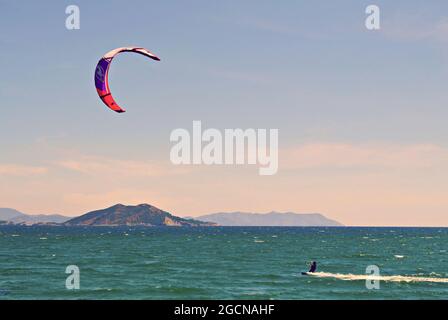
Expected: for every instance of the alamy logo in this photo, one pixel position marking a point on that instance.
(373, 278)
(231, 147)
(73, 21)
(373, 18)
(73, 280)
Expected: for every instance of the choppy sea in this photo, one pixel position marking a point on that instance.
(223, 263)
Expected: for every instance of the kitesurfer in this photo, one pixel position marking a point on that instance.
(313, 267)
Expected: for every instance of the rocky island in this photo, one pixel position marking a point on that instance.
(140, 215)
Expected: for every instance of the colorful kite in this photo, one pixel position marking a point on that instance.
(102, 71)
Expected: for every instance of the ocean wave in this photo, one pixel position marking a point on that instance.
(396, 278)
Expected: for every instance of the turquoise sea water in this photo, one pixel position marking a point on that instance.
(222, 262)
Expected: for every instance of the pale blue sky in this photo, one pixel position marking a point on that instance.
(309, 68)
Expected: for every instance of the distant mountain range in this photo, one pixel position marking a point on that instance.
(286, 219)
(141, 215)
(17, 217)
(148, 215)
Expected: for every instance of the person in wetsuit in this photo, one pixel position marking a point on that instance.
(313, 267)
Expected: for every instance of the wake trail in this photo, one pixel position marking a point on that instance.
(396, 278)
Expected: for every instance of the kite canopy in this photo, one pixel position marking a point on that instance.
(102, 71)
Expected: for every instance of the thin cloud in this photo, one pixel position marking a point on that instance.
(340, 155)
(129, 168)
(414, 28)
(21, 170)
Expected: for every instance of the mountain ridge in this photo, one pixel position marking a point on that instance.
(148, 215)
(273, 218)
(139, 215)
(18, 217)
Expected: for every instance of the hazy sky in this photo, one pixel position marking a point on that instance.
(362, 115)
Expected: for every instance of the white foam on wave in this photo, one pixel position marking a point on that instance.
(397, 278)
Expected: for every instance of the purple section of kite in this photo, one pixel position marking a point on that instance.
(101, 74)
